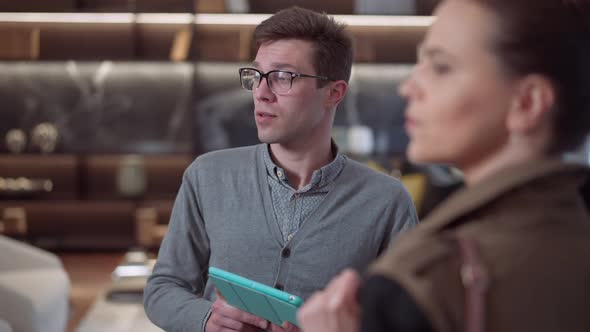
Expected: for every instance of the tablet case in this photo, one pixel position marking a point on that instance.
(256, 298)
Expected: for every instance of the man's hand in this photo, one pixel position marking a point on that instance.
(333, 309)
(225, 318)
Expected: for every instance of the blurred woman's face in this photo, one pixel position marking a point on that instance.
(458, 96)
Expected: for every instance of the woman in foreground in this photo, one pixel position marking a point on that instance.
(500, 91)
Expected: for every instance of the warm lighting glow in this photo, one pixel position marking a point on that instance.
(352, 20)
(219, 19)
(165, 18)
(383, 20)
(230, 19)
(131, 270)
(110, 18)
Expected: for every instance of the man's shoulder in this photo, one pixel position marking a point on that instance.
(227, 157)
(225, 160)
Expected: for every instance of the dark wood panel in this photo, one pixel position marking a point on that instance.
(37, 6)
(19, 43)
(87, 41)
(140, 6)
(329, 6)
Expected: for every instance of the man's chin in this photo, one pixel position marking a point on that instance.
(267, 139)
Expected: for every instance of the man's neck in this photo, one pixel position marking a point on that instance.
(299, 162)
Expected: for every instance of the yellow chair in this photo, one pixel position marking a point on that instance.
(415, 184)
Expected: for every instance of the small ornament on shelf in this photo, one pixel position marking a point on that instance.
(16, 140)
(45, 137)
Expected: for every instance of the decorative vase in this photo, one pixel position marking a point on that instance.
(131, 176)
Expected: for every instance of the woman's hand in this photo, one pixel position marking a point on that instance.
(334, 309)
(286, 327)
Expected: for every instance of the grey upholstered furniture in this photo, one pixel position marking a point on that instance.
(34, 289)
(4, 326)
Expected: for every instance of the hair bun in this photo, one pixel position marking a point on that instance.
(580, 11)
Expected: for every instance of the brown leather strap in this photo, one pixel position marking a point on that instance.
(475, 278)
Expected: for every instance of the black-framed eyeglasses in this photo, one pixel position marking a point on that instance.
(279, 81)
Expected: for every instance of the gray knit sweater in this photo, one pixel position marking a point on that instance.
(223, 217)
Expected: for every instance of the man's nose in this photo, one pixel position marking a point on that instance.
(263, 91)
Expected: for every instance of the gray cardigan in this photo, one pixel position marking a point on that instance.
(223, 217)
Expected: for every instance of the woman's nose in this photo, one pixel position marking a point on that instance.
(404, 89)
(409, 86)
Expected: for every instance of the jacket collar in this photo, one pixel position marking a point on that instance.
(469, 199)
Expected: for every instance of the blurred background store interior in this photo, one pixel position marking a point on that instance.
(104, 103)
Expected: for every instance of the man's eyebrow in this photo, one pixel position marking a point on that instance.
(276, 65)
(282, 65)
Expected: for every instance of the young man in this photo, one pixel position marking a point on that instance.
(291, 212)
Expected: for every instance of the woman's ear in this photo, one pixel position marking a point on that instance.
(531, 105)
(335, 93)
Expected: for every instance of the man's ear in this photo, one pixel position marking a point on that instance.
(335, 92)
(531, 105)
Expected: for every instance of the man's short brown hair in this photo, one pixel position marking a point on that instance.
(332, 44)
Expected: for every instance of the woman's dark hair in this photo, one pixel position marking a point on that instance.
(333, 50)
(550, 38)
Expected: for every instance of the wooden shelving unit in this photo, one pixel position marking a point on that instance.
(214, 37)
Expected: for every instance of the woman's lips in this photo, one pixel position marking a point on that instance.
(410, 124)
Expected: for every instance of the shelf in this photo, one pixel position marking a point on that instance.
(217, 37)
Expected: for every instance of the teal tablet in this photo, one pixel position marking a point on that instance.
(258, 299)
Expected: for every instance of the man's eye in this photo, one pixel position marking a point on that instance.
(283, 77)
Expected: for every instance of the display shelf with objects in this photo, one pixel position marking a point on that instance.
(150, 119)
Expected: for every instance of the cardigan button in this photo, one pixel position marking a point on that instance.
(286, 252)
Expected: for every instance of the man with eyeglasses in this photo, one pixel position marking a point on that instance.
(291, 212)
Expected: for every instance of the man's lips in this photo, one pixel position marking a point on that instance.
(265, 114)
(264, 118)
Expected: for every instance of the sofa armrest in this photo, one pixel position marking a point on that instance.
(35, 300)
(4, 326)
(16, 255)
